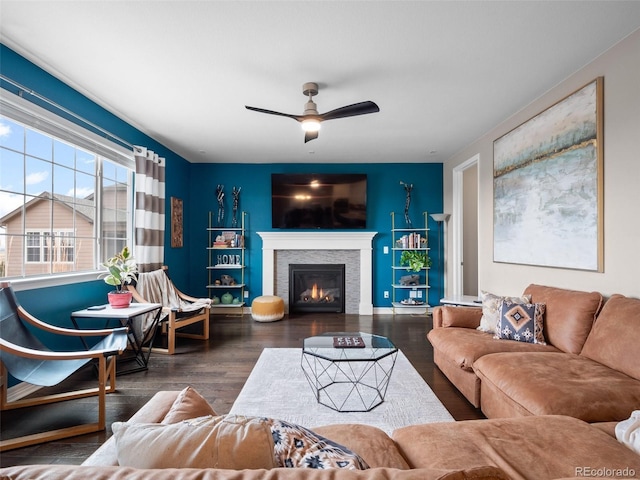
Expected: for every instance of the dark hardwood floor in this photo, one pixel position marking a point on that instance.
(218, 370)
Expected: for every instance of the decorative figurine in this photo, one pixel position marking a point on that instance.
(220, 197)
(407, 189)
(236, 200)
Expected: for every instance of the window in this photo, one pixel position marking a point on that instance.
(66, 200)
(55, 247)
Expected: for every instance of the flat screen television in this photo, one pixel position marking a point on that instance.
(323, 200)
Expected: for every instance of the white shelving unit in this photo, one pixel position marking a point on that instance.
(226, 266)
(410, 296)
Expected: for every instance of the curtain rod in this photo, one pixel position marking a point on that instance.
(24, 89)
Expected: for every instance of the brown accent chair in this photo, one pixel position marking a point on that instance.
(179, 309)
(27, 359)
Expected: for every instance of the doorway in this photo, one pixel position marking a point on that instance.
(465, 227)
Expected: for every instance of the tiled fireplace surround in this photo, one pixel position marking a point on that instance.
(354, 249)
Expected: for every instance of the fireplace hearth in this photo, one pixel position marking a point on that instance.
(316, 288)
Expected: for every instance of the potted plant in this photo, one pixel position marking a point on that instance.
(122, 270)
(415, 260)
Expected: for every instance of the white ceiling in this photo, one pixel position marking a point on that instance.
(443, 72)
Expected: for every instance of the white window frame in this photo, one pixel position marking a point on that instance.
(20, 110)
(56, 248)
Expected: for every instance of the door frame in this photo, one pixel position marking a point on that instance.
(458, 227)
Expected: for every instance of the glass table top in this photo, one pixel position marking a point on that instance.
(340, 346)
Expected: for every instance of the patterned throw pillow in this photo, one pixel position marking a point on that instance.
(491, 309)
(521, 322)
(298, 447)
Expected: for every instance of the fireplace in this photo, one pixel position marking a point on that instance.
(280, 249)
(316, 288)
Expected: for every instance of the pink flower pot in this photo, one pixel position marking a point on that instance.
(119, 299)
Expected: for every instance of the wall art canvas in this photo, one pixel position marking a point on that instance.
(548, 186)
(176, 223)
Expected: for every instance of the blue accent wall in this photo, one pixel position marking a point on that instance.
(384, 195)
(195, 184)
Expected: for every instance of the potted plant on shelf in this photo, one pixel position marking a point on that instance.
(122, 269)
(415, 260)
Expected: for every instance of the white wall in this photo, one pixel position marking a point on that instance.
(470, 231)
(620, 67)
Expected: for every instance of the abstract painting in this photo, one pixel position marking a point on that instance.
(548, 186)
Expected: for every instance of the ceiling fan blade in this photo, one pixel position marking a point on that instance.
(361, 108)
(308, 136)
(271, 112)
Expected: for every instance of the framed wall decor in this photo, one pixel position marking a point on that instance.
(548, 186)
(176, 223)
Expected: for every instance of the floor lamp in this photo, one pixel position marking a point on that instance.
(440, 218)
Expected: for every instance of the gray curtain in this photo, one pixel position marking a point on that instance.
(150, 209)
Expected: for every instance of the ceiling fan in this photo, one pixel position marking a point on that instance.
(311, 119)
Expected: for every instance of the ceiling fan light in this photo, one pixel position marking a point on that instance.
(310, 125)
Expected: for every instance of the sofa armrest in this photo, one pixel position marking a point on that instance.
(449, 316)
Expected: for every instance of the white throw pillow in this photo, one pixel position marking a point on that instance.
(628, 431)
(491, 309)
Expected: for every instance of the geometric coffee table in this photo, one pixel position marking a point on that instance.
(349, 371)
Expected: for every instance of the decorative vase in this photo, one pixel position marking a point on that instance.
(215, 300)
(226, 299)
(119, 299)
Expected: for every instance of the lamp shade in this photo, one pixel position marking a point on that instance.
(440, 217)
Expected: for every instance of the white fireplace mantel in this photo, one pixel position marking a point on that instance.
(362, 241)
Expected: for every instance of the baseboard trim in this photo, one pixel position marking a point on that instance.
(399, 311)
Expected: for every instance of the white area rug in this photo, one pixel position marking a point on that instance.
(278, 388)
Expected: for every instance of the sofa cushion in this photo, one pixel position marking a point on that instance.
(189, 404)
(569, 315)
(541, 447)
(464, 346)
(75, 472)
(491, 309)
(465, 317)
(614, 340)
(372, 444)
(534, 383)
(231, 441)
(521, 322)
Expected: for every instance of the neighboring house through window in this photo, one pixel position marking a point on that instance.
(66, 199)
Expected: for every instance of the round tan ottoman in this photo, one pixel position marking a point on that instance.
(267, 308)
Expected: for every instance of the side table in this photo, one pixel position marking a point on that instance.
(126, 318)
(345, 377)
(462, 301)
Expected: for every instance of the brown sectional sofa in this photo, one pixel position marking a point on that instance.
(588, 369)
(535, 447)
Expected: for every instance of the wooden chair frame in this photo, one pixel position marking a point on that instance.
(106, 380)
(173, 322)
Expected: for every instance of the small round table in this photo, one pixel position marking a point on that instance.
(349, 371)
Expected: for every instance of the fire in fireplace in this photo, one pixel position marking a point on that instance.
(316, 288)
